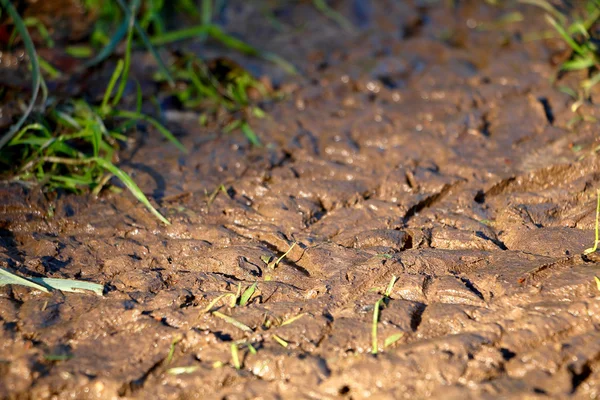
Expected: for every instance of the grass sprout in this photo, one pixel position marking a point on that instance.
(47, 285)
(247, 295)
(390, 340)
(292, 319)
(376, 311)
(273, 262)
(279, 340)
(232, 321)
(597, 282)
(596, 229)
(235, 356)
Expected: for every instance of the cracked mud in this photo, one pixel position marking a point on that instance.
(444, 160)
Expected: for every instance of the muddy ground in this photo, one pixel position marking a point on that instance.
(417, 145)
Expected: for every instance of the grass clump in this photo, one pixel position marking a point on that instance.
(73, 145)
(577, 31)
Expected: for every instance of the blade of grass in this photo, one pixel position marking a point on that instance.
(374, 344)
(232, 321)
(127, 62)
(597, 282)
(142, 117)
(250, 135)
(104, 109)
(274, 264)
(70, 285)
(390, 286)
(235, 357)
(35, 69)
(565, 35)
(215, 301)
(390, 340)
(280, 340)
(111, 46)
(131, 185)
(8, 278)
(142, 35)
(597, 233)
(247, 295)
(293, 319)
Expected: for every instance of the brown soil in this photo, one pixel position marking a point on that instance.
(415, 146)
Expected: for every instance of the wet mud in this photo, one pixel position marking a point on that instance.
(417, 146)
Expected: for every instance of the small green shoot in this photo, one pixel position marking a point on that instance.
(390, 340)
(597, 240)
(214, 302)
(292, 319)
(232, 321)
(171, 353)
(182, 370)
(235, 356)
(247, 295)
(57, 357)
(273, 263)
(213, 195)
(279, 340)
(376, 311)
(48, 284)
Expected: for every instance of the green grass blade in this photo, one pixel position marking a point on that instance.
(578, 63)
(131, 185)
(111, 85)
(235, 357)
(180, 34)
(374, 342)
(70, 285)
(390, 340)
(293, 319)
(232, 321)
(142, 34)
(110, 47)
(247, 295)
(35, 69)
(127, 62)
(390, 286)
(8, 278)
(279, 340)
(565, 35)
(142, 117)
(250, 135)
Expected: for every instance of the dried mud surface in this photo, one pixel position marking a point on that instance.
(416, 147)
